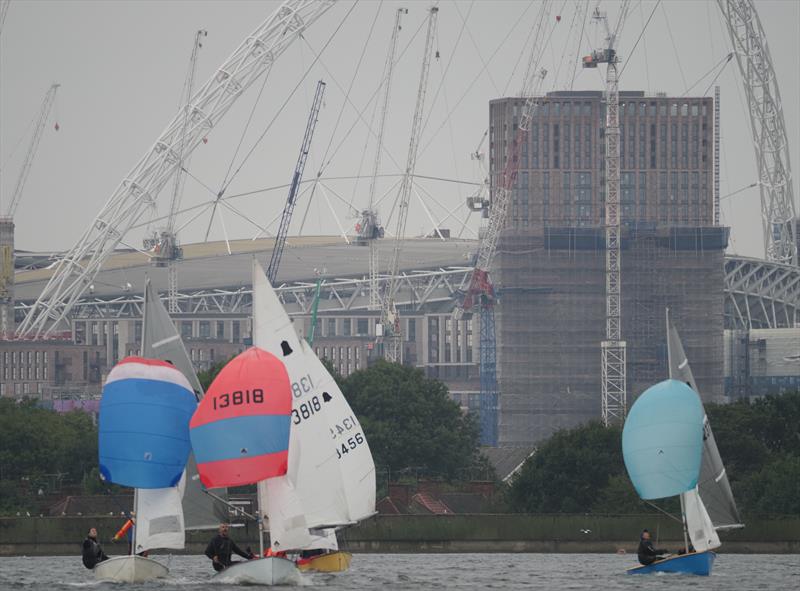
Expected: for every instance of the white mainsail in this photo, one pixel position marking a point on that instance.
(701, 530)
(160, 340)
(159, 517)
(330, 480)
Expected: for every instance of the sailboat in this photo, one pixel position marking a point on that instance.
(144, 443)
(240, 436)
(161, 340)
(669, 450)
(330, 481)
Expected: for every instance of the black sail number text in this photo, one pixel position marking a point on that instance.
(237, 397)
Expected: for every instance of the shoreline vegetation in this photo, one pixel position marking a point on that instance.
(416, 432)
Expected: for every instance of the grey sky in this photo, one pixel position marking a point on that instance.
(122, 66)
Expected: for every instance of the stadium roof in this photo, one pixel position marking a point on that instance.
(208, 265)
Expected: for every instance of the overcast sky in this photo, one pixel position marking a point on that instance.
(122, 66)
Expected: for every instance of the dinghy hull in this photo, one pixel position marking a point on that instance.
(335, 562)
(130, 569)
(695, 563)
(261, 571)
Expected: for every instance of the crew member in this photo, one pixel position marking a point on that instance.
(221, 547)
(92, 552)
(647, 553)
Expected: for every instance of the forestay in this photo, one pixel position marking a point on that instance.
(331, 475)
(713, 485)
(160, 340)
(662, 440)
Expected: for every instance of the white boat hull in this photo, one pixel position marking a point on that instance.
(129, 569)
(261, 571)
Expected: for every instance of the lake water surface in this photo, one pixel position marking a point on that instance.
(387, 572)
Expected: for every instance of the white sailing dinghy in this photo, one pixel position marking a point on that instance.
(240, 436)
(669, 449)
(330, 481)
(144, 444)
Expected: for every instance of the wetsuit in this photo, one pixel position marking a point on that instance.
(223, 547)
(92, 553)
(647, 553)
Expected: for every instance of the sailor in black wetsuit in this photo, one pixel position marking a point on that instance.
(647, 553)
(92, 552)
(221, 547)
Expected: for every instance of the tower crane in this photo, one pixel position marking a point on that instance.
(390, 321)
(141, 187)
(369, 229)
(44, 114)
(770, 141)
(165, 245)
(480, 295)
(286, 217)
(613, 348)
(7, 251)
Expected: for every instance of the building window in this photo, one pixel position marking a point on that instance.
(205, 329)
(412, 331)
(331, 327)
(236, 329)
(673, 109)
(220, 329)
(685, 109)
(346, 327)
(186, 329)
(695, 110)
(362, 327)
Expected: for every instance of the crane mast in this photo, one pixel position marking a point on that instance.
(390, 321)
(44, 114)
(369, 228)
(165, 245)
(141, 187)
(770, 141)
(288, 209)
(613, 348)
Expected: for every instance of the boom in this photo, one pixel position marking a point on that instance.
(141, 187)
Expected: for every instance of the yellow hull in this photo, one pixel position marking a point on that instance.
(335, 562)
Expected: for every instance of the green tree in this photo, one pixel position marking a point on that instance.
(207, 375)
(568, 471)
(411, 422)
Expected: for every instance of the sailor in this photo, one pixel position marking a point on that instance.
(221, 547)
(647, 553)
(92, 552)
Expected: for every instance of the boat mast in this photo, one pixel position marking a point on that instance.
(133, 518)
(685, 528)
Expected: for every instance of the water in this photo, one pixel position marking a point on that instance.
(389, 572)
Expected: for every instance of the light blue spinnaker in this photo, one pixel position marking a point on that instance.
(662, 441)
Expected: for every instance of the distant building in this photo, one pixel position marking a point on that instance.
(762, 362)
(550, 266)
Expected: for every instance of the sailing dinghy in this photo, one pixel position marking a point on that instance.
(669, 450)
(144, 444)
(330, 481)
(240, 436)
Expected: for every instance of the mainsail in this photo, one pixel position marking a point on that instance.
(331, 476)
(662, 440)
(160, 340)
(713, 485)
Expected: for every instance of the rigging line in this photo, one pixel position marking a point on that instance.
(352, 80)
(737, 191)
(646, 58)
(246, 127)
(722, 62)
(641, 34)
(580, 40)
(288, 98)
(517, 22)
(705, 92)
(449, 61)
(566, 39)
(674, 48)
(360, 113)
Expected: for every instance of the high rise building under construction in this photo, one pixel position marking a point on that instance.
(550, 265)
